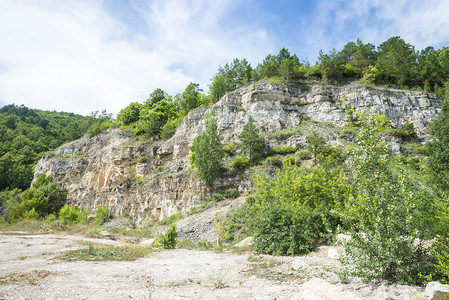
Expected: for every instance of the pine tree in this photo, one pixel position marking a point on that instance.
(252, 141)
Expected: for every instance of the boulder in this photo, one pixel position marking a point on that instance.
(319, 289)
(245, 243)
(436, 291)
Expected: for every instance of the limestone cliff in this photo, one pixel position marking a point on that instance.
(151, 179)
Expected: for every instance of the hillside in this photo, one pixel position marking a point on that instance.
(150, 179)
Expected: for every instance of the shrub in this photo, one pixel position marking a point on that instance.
(240, 163)
(143, 159)
(304, 154)
(285, 231)
(31, 214)
(406, 132)
(231, 148)
(273, 160)
(283, 150)
(31, 199)
(348, 132)
(282, 134)
(102, 215)
(170, 219)
(217, 197)
(70, 215)
(231, 193)
(420, 150)
(168, 239)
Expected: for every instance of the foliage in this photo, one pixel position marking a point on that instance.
(106, 252)
(71, 215)
(316, 145)
(295, 196)
(240, 163)
(405, 132)
(31, 199)
(190, 99)
(26, 134)
(129, 114)
(389, 214)
(217, 197)
(275, 160)
(231, 193)
(168, 239)
(231, 148)
(207, 153)
(252, 142)
(438, 148)
(283, 150)
(103, 215)
(304, 154)
(170, 219)
(282, 134)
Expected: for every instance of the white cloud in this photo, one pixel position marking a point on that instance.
(73, 56)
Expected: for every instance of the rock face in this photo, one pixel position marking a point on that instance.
(151, 179)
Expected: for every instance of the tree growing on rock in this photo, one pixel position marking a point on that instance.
(316, 145)
(207, 152)
(252, 141)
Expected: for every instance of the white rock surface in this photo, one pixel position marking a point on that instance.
(436, 291)
(245, 243)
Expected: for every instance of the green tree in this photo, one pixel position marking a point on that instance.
(397, 60)
(438, 148)
(229, 78)
(252, 141)
(190, 99)
(390, 215)
(316, 145)
(207, 153)
(129, 114)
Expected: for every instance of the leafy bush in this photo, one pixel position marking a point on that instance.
(231, 193)
(168, 239)
(240, 163)
(291, 160)
(405, 132)
(143, 159)
(70, 215)
(274, 160)
(217, 197)
(283, 150)
(285, 231)
(102, 215)
(282, 134)
(169, 129)
(390, 215)
(31, 214)
(421, 150)
(231, 148)
(348, 132)
(31, 199)
(170, 219)
(304, 154)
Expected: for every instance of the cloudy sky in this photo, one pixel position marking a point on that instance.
(82, 56)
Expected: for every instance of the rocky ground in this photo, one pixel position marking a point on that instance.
(31, 267)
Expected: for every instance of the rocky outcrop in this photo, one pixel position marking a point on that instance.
(151, 179)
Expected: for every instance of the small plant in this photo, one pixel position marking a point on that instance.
(304, 154)
(170, 219)
(70, 214)
(349, 132)
(103, 215)
(130, 172)
(273, 160)
(168, 239)
(231, 148)
(231, 193)
(240, 163)
(31, 214)
(283, 150)
(282, 134)
(217, 197)
(405, 132)
(143, 159)
(106, 252)
(160, 169)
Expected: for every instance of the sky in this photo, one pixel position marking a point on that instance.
(83, 56)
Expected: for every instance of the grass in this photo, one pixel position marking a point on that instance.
(101, 252)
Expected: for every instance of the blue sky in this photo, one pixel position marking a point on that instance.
(86, 55)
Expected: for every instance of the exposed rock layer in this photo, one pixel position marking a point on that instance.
(151, 179)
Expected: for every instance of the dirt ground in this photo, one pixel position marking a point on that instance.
(30, 267)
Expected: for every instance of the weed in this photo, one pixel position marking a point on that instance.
(106, 252)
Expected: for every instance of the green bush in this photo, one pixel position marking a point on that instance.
(31, 199)
(217, 197)
(282, 134)
(231, 148)
(304, 154)
(143, 159)
(70, 215)
(240, 163)
(274, 160)
(285, 231)
(170, 219)
(168, 239)
(291, 160)
(283, 150)
(102, 215)
(31, 214)
(231, 193)
(405, 132)
(421, 150)
(349, 132)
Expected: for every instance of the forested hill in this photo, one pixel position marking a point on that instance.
(26, 134)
